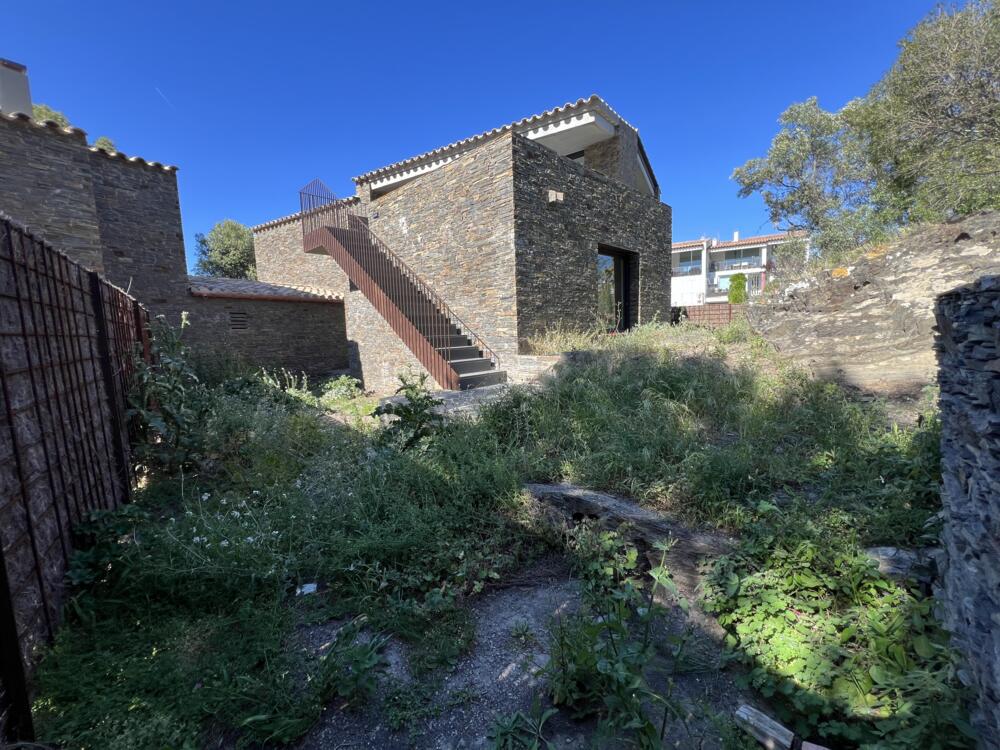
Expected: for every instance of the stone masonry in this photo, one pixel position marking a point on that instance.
(557, 243)
(968, 346)
(481, 232)
(121, 216)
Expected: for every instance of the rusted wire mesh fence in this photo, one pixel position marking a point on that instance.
(713, 313)
(67, 340)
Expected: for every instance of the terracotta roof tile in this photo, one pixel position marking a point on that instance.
(212, 286)
(759, 239)
(457, 146)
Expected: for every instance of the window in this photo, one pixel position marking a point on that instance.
(687, 263)
(746, 257)
(238, 321)
(578, 157)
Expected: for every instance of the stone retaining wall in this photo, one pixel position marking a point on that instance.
(968, 347)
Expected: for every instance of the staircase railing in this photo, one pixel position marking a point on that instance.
(389, 275)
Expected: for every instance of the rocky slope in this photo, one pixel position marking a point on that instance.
(871, 324)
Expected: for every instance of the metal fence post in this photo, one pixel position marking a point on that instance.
(107, 375)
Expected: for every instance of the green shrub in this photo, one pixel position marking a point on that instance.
(169, 401)
(737, 289)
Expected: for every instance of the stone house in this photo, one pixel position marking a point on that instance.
(120, 216)
(449, 262)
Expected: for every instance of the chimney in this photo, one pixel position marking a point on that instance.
(14, 93)
(736, 236)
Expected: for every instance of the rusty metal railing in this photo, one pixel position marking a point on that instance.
(425, 322)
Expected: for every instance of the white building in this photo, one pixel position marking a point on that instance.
(702, 268)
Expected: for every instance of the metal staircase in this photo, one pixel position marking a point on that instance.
(451, 352)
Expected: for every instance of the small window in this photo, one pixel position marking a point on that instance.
(238, 321)
(578, 157)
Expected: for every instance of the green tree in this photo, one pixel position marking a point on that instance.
(933, 121)
(43, 112)
(104, 143)
(816, 177)
(924, 144)
(737, 289)
(227, 250)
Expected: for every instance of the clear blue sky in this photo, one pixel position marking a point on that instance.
(252, 100)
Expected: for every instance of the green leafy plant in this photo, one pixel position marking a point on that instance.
(168, 400)
(737, 289)
(413, 418)
(521, 731)
(842, 651)
(601, 655)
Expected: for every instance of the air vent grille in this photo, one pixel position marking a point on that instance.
(238, 321)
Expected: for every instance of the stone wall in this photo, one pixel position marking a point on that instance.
(871, 324)
(968, 346)
(557, 243)
(139, 218)
(455, 228)
(374, 353)
(277, 248)
(300, 336)
(619, 159)
(46, 184)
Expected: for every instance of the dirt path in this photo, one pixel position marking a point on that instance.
(500, 674)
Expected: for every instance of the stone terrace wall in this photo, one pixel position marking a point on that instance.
(557, 244)
(871, 324)
(968, 345)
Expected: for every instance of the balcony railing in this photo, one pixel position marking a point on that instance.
(755, 285)
(738, 264)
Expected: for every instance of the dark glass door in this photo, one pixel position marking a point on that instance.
(612, 283)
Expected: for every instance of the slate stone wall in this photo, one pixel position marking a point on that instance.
(558, 243)
(305, 337)
(280, 259)
(455, 228)
(968, 348)
(46, 185)
(618, 158)
(139, 219)
(374, 353)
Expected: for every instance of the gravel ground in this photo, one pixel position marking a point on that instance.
(499, 676)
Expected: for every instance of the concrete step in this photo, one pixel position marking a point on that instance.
(470, 366)
(452, 340)
(461, 352)
(475, 380)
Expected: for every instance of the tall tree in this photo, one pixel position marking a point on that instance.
(934, 119)
(227, 250)
(924, 144)
(816, 177)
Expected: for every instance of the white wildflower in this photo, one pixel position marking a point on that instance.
(224, 543)
(205, 496)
